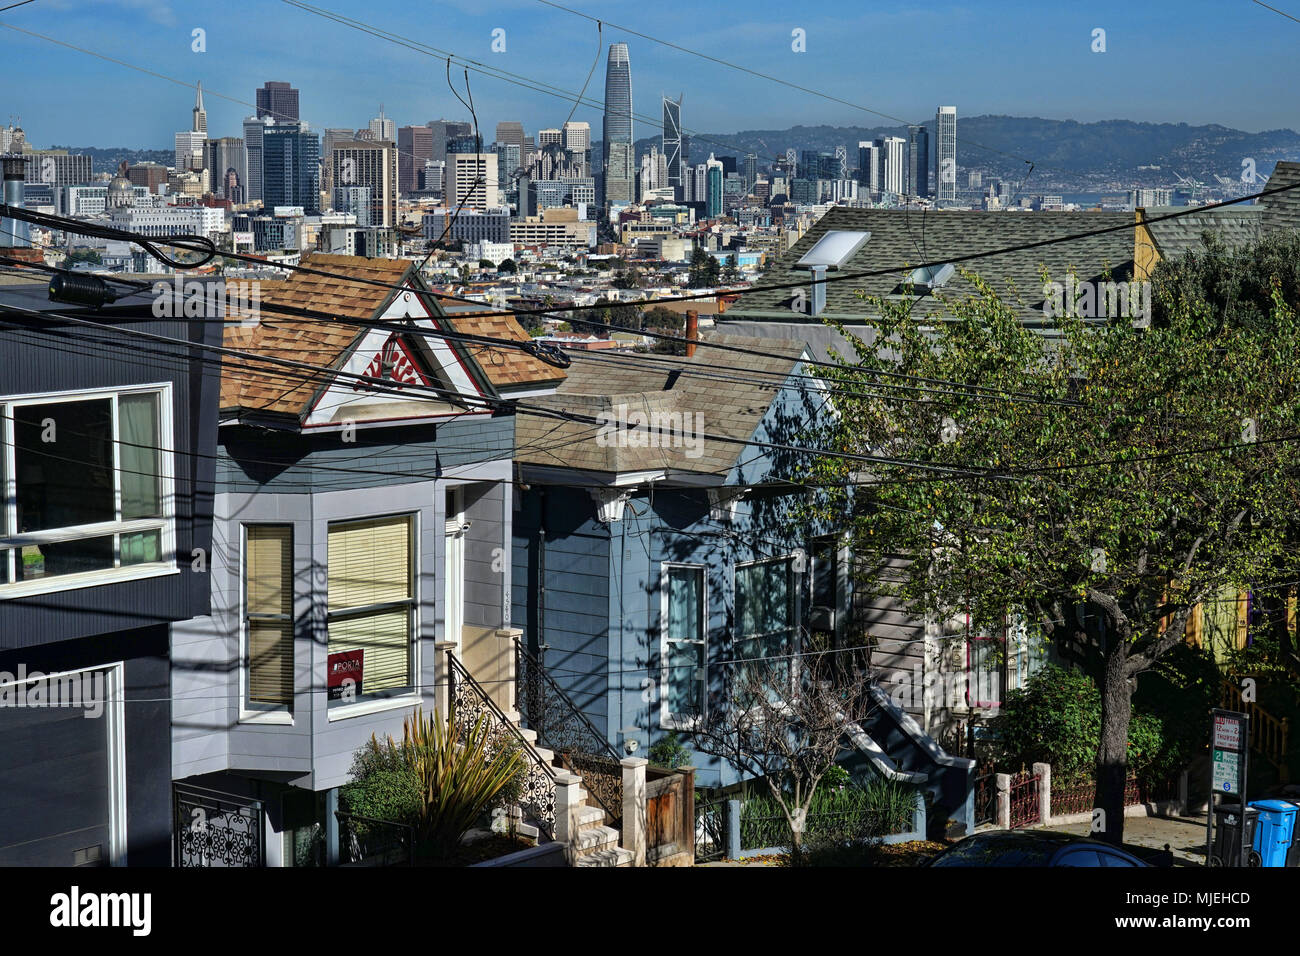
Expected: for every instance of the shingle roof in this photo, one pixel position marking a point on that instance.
(906, 237)
(621, 388)
(1282, 210)
(322, 342)
(1235, 225)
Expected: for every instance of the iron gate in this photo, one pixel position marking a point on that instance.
(215, 829)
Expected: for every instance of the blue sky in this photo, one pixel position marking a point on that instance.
(1196, 61)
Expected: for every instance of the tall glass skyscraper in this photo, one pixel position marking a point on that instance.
(291, 168)
(278, 101)
(945, 153)
(918, 161)
(673, 143)
(617, 146)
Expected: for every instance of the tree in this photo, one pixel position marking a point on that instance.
(660, 317)
(731, 272)
(507, 265)
(788, 739)
(486, 264)
(1097, 484)
(627, 279)
(705, 272)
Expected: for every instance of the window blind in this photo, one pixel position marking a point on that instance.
(268, 600)
(370, 566)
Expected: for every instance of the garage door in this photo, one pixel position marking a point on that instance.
(55, 791)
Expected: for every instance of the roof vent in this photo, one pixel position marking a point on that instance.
(925, 280)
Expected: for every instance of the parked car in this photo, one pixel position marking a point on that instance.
(1034, 848)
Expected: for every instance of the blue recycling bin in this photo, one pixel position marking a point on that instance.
(1274, 831)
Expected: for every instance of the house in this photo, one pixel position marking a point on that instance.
(107, 461)
(655, 547)
(361, 535)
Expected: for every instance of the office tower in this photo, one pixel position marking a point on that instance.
(444, 130)
(279, 101)
(892, 154)
(200, 121)
(58, 168)
(673, 143)
(472, 181)
(713, 188)
(383, 128)
(414, 149)
(841, 162)
(508, 163)
(511, 133)
(433, 177)
(654, 171)
(550, 137)
(223, 158)
(332, 137)
(371, 165)
(751, 171)
(254, 127)
(617, 139)
(918, 161)
(291, 167)
(577, 143)
(869, 167)
(465, 143)
(945, 153)
(699, 183)
(975, 179)
(149, 175)
(357, 201)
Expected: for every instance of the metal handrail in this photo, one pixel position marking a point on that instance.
(457, 669)
(538, 669)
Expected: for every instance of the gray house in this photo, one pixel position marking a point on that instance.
(360, 533)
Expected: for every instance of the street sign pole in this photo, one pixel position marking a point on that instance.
(1229, 753)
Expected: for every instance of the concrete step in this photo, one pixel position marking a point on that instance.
(528, 734)
(595, 838)
(513, 716)
(615, 857)
(548, 756)
(590, 817)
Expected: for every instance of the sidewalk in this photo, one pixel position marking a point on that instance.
(1185, 835)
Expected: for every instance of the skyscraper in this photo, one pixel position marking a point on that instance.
(369, 166)
(511, 133)
(254, 127)
(189, 144)
(577, 143)
(918, 161)
(291, 167)
(945, 153)
(617, 140)
(893, 164)
(223, 157)
(751, 171)
(200, 123)
(414, 149)
(869, 167)
(383, 127)
(673, 143)
(278, 101)
(444, 130)
(713, 195)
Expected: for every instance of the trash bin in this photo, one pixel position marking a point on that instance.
(1274, 828)
(1227, 837)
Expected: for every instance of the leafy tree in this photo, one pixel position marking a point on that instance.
(1098, 483)
(731, 272)
(627, 279)
(660, 317)
(507, 265)
(486, 264)
(704, 272)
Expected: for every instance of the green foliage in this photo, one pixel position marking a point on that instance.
(705, 271)
(383, 785)
(507, 266)
(839, 812)
(669, 752)
(659, 317)
(83, 255)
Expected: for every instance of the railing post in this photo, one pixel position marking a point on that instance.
(507, 641)
(733, 829)
(632, 835)
(332, 826)
(1002, 781)
(444, 677)
(1044, 773)
(686, 828)
(567, 805)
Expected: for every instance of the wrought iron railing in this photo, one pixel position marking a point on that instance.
(368, 842)
(710, 830)
(986, 799)
(1025, 808)
(537, 800)
(562, 727)
(215, 829)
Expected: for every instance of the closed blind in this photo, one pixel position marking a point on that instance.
(369, 563)
(269, 598)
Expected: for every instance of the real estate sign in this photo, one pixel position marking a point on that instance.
(343, 680)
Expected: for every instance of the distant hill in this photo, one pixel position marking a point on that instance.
(107, 160)
(1064, 150)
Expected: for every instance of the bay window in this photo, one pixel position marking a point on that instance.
(268, 615)
(86, 484)
(371, 608)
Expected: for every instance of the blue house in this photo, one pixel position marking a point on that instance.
(660, 545)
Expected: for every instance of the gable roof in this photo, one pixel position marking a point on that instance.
(1235, 225)
(908, 237)
(350, 295)
(620, 388)
(1282, 210)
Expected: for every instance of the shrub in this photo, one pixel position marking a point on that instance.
(669, 752)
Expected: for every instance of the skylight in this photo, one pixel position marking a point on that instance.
(926, 279)
(833, 249)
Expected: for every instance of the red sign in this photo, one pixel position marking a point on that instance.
(1227, 732)
(343, 679)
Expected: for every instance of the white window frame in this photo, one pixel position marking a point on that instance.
(12, 543)
(373, 705)
(667, 719)
(250, 712)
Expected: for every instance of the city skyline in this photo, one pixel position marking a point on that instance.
(1079, 85)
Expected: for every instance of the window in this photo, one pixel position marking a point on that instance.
(823, 585)
(684, 631)
(985, 674)
(765, 597)
(371, 608)
(87, 489)
(268, 615)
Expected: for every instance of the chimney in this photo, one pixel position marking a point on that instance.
(692, 331)
(13, 233)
